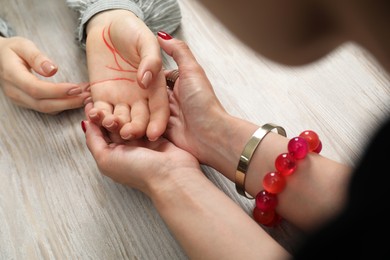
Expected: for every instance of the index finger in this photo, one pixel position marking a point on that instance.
(41, 89)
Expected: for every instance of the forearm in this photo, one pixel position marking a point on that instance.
(208, 224)
(313, 194)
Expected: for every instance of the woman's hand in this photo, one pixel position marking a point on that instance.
(141, 164)
(198, 123)
(19, 60)
(127, 82)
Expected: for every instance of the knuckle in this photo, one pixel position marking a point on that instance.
(7, 74)
(33, 91)
(183, 45)
(44, 107)
(13, 95)
(36, 58)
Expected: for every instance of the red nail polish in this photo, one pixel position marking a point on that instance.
(83, 126)
(164, 35)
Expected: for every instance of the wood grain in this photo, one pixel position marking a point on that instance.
(54, 203)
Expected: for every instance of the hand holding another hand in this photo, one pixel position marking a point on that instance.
(140, 164)
(198, 123)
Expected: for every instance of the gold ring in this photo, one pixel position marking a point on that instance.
(171, 78)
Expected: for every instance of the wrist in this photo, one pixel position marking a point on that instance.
(164, 191)
(302, 201)
(223, 145)
(104, 18)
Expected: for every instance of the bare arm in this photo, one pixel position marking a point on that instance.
(209, 225)
(206, 222)
(315, 192)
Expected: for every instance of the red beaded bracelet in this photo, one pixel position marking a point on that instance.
(275, 182)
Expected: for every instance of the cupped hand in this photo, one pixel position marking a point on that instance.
(196, 113)
(140, 163)
(127, 82)
(20, 59)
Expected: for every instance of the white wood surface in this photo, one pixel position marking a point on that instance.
(54, 203)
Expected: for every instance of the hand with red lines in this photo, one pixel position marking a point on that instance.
(128, 85)
(19, 60)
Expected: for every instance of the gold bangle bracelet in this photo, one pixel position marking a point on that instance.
(248, 152)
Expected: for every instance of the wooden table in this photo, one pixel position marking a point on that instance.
(54, 203)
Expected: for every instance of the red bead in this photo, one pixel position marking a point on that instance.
(266, 201)
(263, 217)
(298, 147)
(274, 182)
(275, 221)
(319, 148)
(312, 139)
(285, 164)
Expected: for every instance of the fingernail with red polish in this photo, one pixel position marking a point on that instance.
(164, 35)
(83, 126)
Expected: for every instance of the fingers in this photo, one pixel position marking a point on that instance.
(139, 122)
(122, 120)
(24, 88)
(35, 58)
(46, 105)
(95, 140)
(99, 112)
(120, 116)
(157, 125)
(17, 74)
(39, 89)
(108, 138)
(148, 117)
(54, 107)
(151, 61)
(150, 66)
(159, 114)
(88, 108)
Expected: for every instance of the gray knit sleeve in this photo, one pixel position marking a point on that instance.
(157, 14)
(5, 29)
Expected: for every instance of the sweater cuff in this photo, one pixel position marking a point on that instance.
(5, 29)
(100, 6)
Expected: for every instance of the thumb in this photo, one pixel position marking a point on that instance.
(95, 139)
(178, 50)
(150, 65)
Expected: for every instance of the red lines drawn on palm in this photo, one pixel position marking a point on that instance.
(116, 55)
